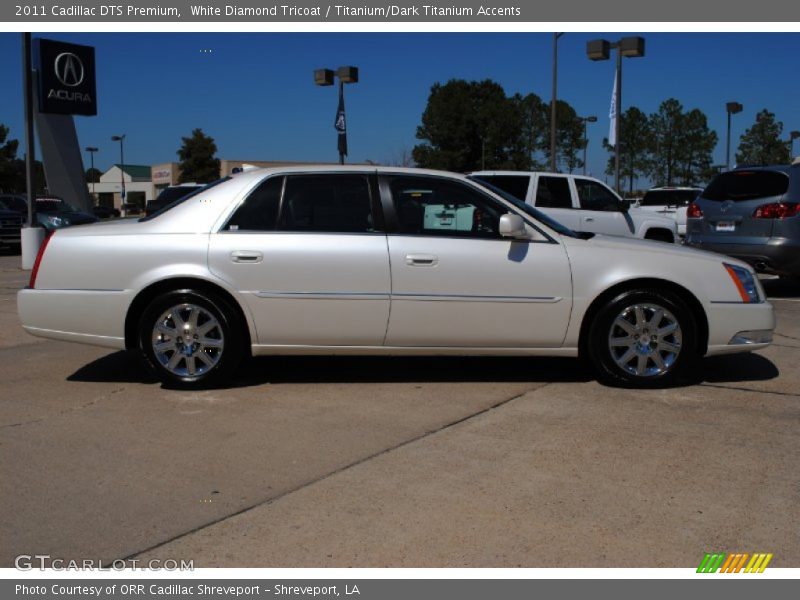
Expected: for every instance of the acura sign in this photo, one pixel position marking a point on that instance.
(66, 78)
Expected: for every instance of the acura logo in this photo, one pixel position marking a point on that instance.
(69, 69)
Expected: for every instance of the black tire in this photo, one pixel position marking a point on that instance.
(660, 235)
(676, 367)
(198, 365)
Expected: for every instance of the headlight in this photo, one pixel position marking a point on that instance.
(745, 282)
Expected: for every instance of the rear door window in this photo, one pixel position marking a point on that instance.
(553, 192)
(326, 203)
(516, 185)
(740, 186)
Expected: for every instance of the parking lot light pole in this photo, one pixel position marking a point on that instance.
(326, 77)
(630, 47)
(731, 108)
(553, 101)
(792, 137)
(121, 140)
(91, 150)
(592, 119)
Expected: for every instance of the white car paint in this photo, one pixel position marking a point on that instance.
(671, 211)
(633, 223)
(373, 293)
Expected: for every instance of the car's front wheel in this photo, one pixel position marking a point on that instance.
(191, 338)
(643, 338)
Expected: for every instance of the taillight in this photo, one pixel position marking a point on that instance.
(694, 212)
(42, 248)
(777, 210)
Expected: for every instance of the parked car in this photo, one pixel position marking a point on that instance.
(51, 211)
(751, 213)
(10, 225)
(130, 209)
(670, 202)
(583, 204)
(105, 212)
(170, 194)
(309, 260)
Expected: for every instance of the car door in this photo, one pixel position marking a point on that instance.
(600, 210)
(553, 196)
(456, 282)
(308, 255)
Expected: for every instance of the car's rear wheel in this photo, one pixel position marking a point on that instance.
(191, 338)
(644, 338)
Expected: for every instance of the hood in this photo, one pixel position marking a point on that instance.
(657, 249)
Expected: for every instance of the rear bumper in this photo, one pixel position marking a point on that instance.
(779, 256)
(94, 317)
(727, 321)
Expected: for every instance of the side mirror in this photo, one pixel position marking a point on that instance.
(512, 226)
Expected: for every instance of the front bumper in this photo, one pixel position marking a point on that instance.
(738, 327)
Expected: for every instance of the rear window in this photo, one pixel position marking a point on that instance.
(173, 193)
(669, 197)
(739, 186)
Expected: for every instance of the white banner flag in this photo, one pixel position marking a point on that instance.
(612, 114)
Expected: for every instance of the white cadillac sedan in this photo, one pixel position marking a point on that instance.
(365, 260)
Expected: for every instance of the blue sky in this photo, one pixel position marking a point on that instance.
(254, 92)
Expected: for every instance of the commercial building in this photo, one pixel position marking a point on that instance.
(138, 186)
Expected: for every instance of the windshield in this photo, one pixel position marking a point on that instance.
(538, 215)
(183, 199)
(669, 197)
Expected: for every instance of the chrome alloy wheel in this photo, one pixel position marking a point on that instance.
(645, 340)
(187, 340)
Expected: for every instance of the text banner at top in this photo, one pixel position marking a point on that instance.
(179, 11)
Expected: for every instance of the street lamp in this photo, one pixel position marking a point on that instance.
(592, 119)
(91, 150)
(792, 137)
(630, 47)
(731, 108)
(553, 100)
(325, 77)
(121, 139)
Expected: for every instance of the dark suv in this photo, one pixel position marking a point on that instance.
(751, 213)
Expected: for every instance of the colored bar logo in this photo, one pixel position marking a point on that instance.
(734, 563)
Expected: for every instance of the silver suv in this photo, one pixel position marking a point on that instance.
(751, 213)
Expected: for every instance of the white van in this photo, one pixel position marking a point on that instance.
(583, 204)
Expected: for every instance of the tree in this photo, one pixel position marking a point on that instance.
(197, 160)
(762, 144)
(634, 147)
(468, 125)
(696, 148)
(93, 175)
(665, 132)
(534, 134)
(569, 137)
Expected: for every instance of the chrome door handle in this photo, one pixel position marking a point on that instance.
(588, 219)
(246, 256)
(421, 260)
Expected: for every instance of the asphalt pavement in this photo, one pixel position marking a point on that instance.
(423, 462)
